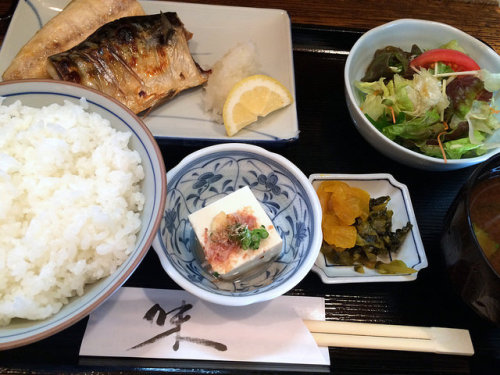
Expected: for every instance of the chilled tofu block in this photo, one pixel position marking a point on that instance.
(235, 234)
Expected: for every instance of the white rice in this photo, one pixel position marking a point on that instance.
(238, 63)
(69, 208)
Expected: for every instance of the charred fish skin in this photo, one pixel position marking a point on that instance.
(64, 31)
(140, 61)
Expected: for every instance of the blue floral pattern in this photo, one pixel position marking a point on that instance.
(216, 175)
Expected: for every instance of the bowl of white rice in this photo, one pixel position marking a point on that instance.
(82, 187)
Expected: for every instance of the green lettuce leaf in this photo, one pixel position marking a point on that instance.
(453, 44)
(418, 128)
(460, 147)
(403, 101)
(441, 68)
(481, 118)
(386, 120)
(375, 87)
(455, 149)
(373, 107)
(491, 80)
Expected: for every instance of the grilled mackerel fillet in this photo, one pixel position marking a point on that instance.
(74, 24)
(140, 61)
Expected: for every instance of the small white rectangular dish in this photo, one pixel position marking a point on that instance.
(411, 251)
(216, 29)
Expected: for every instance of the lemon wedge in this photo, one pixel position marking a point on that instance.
(253, 97)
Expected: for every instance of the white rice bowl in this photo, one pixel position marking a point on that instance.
(70, 207)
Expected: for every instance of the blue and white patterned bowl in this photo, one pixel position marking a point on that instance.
(285, 194)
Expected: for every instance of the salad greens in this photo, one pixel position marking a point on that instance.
(389, 61)
(439, 108)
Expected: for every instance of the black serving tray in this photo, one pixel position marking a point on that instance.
(328, 143)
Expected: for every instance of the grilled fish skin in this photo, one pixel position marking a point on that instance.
(77, 21)
(141, 61)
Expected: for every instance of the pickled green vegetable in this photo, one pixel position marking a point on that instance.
(375, 238)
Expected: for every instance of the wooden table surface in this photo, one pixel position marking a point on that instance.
(481, 19)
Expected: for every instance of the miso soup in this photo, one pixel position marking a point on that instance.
(485, 217)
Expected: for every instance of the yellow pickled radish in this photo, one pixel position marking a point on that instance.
(253, 97)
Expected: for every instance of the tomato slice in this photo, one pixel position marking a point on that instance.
(457, 60)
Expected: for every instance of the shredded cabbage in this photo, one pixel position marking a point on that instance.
(425, 93)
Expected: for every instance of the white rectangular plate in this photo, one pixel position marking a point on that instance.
(411, 251)
(216, 29)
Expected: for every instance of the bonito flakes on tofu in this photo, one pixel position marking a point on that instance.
(235, 234)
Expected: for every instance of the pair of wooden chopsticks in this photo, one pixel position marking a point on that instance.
(391, 337)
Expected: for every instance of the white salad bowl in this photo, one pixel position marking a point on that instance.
(412, 250)
(404, 33)
(38, 93)
(282, 190)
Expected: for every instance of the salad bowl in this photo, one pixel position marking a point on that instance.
(284, 193)
(427, 35)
